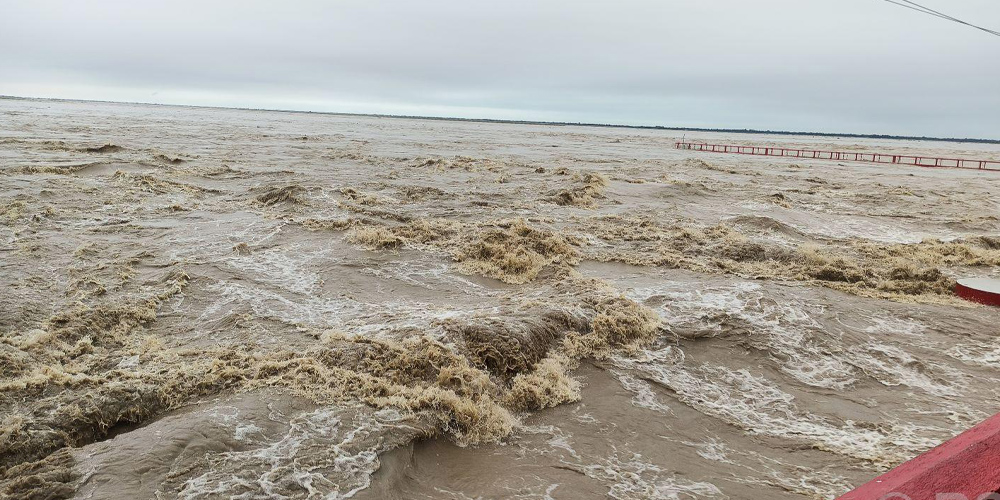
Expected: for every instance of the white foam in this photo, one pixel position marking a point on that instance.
(787, 330)
(319, 455)
(986, 355)
(431, 275)
(283, 267)
(631, 477)
(643, 397)
(712, 449)
(896, 326)
(245, 431)
(797, 479)
(558, 440)
(803, 347)
(308, 310)
(757, 405)
(892, 366)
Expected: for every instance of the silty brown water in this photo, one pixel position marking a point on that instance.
(206, 303)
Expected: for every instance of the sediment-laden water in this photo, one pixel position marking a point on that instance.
(204, 303)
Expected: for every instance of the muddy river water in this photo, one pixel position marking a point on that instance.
(208, 303)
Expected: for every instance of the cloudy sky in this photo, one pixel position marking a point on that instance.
(862, 66)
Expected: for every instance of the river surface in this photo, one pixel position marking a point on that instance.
(208, 303)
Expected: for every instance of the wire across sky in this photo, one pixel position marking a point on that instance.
(926, 10)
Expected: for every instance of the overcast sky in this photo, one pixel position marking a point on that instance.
(862, 66)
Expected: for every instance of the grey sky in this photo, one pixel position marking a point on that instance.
(821, 65)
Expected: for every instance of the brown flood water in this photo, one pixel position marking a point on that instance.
(207, 303)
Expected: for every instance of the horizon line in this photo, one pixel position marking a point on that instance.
(537, 122)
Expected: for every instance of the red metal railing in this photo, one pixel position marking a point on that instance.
(962, 467)
(918, 161)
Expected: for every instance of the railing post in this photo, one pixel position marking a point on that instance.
(840, 155)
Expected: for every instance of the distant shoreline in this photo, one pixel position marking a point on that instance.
(533, 122)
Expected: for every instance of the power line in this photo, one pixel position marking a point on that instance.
(914, 8)
(936, 13)
(931, 12)
(992, 32)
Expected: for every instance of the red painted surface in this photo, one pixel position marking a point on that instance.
(967, 465)
(917, 161)
(975, 295)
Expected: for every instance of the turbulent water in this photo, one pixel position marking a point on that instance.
(202, 303)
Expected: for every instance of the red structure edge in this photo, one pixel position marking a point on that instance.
(980, 296)
(964, 467)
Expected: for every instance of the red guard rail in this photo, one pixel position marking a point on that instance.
(918, 161)
(966, 467)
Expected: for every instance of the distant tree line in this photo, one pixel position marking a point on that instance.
(577, 124)
(697, 129)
